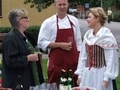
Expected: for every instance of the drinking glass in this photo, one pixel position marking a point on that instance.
(54, 86)
(70, 40)
(48, 86)
(31, 88)
(43, 86)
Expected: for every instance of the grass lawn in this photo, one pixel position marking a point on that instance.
(44, 65)
(118, 82)
(118, 78)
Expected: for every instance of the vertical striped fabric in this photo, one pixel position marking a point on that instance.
(95, 56)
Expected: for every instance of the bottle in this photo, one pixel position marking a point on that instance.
(63, 81)
(19, 84)
(70, 80)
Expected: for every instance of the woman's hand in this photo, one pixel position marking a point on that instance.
(104, 84)
(32, 57)
(78, 81)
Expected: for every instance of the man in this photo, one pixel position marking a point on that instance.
(60, 34)
(109, 12)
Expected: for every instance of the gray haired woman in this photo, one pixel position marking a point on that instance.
(17, 56)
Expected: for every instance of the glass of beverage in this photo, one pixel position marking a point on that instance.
(31, 88)
(43, 86)
(70, 39)
(54, 86)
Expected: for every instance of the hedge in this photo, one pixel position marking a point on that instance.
(117, 16)
(32, 29)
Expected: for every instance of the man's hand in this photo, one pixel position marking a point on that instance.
(66, 46)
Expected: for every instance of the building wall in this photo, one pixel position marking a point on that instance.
(36, 18)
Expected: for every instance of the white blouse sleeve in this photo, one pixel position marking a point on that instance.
(44, 34)
(81, 62)
(112, 64)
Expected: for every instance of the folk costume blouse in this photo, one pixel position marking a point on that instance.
(93, 76)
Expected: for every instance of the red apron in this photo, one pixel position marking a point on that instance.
(62, 59)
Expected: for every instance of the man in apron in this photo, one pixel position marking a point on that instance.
(61, 35)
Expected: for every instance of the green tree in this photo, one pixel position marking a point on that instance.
(43, 4)
(111, 3)
(39, 4)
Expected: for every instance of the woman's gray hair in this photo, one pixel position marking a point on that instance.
(14, 15)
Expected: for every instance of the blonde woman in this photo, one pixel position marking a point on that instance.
(98, 62)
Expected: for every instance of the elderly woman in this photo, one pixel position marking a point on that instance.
(98, 62)
(17, 56)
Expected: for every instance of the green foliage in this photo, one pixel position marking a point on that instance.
(32, 29)
(94, 3)
(39, 4)
(44, 67)
(117, 16)
(116, 3)
(43, 4)
(118, 79)
(5, 29)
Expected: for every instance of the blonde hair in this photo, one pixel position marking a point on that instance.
(98, 12)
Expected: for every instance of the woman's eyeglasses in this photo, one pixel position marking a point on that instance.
(24, 17)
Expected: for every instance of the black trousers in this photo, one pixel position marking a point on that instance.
(114, 85)
(109, 18)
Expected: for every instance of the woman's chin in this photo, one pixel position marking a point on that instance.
(88, 25)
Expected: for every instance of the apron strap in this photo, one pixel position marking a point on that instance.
(71, 24)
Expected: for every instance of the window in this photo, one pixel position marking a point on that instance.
(0, 8)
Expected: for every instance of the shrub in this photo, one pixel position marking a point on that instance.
(5, 29)
(32, 29)
(117, 16)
